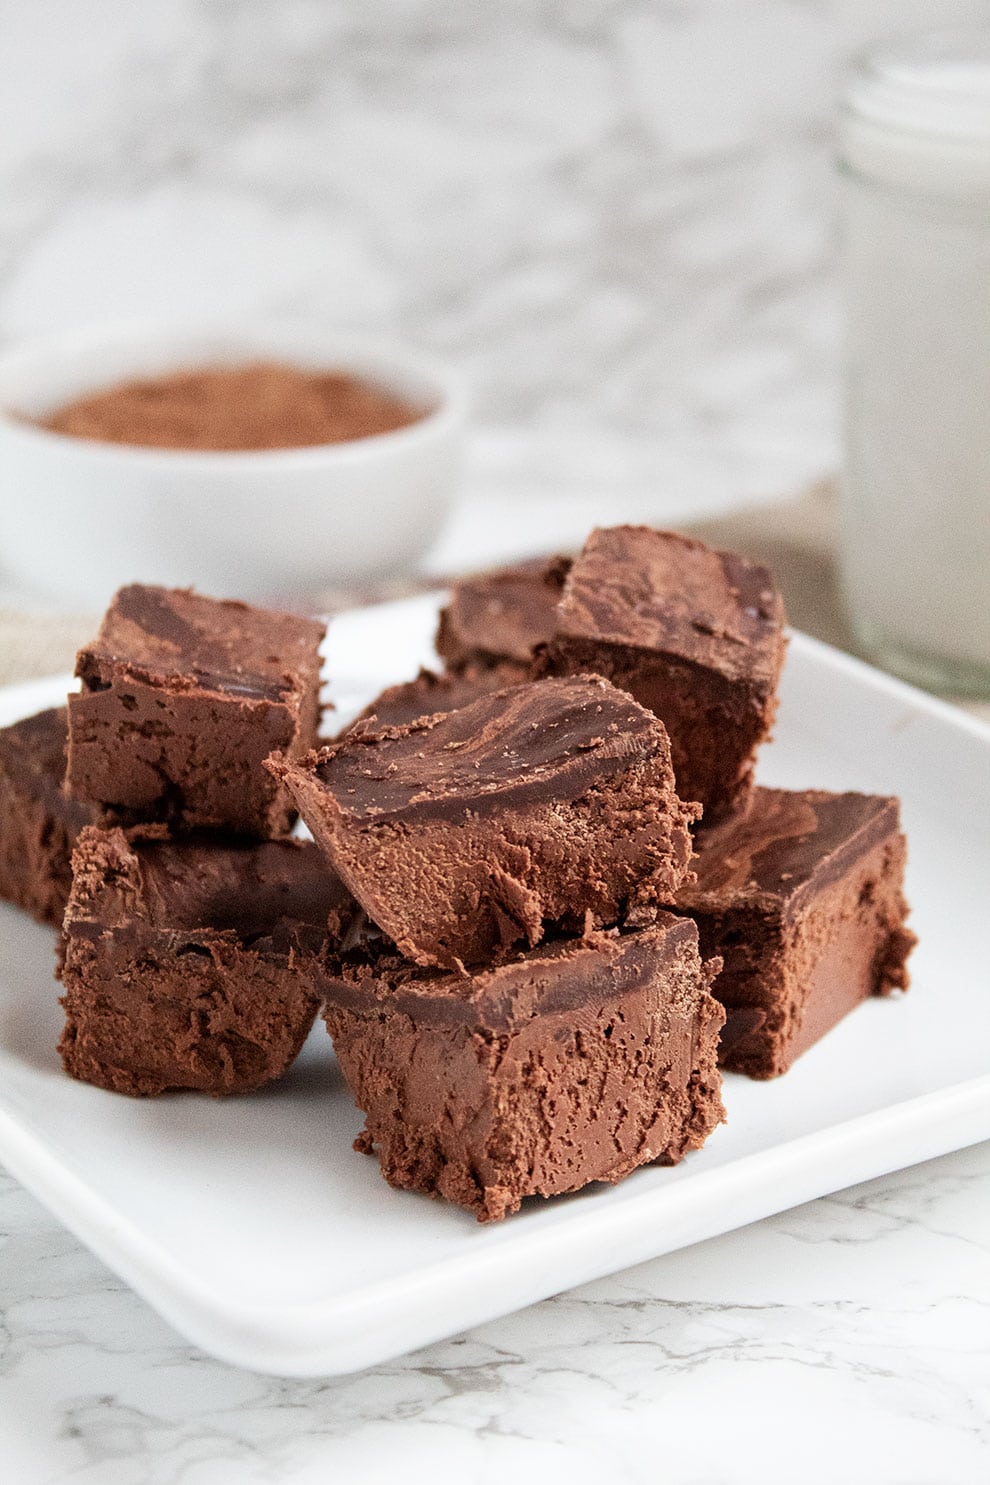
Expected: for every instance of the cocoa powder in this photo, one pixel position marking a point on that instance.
(267, 405)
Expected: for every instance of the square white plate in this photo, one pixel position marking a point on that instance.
(252, 1226)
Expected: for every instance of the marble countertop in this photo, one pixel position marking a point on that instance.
(844, 1340)
(657, 341)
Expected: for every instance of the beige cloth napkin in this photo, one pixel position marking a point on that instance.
(796, 539)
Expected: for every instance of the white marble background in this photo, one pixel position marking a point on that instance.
(618, 217)
(843, 1343)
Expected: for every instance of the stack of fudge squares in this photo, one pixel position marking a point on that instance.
(140, 821)
(544, 902)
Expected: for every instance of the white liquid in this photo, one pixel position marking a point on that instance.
(916, 508)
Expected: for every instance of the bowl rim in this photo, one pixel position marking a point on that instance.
(405, 362)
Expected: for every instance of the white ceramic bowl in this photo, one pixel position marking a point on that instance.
(80, 517)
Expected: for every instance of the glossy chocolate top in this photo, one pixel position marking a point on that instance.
(198, 886)
(656, 590)
(557, 976)
(502, 614)
(785, 841)
(546, 740)
(397, 706)
(177, 638)
(32, 756)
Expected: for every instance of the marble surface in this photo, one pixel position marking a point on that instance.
(845, 1340)
(618, 217)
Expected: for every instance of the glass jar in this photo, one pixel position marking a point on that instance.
(915, 153)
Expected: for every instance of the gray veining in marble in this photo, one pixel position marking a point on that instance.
(859, 1322)
(617, 216)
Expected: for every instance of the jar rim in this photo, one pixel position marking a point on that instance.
(932, 84)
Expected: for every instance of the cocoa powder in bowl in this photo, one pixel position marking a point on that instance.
(266, 405)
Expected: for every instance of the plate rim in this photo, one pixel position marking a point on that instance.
(332, 1335)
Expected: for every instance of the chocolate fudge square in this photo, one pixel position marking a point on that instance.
(695, 635)
(187, 963)
(39, 823)
(497, 618)
(182, 699)
(429, 693)
(464, 833)
(802, 897)
(574, 1062)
